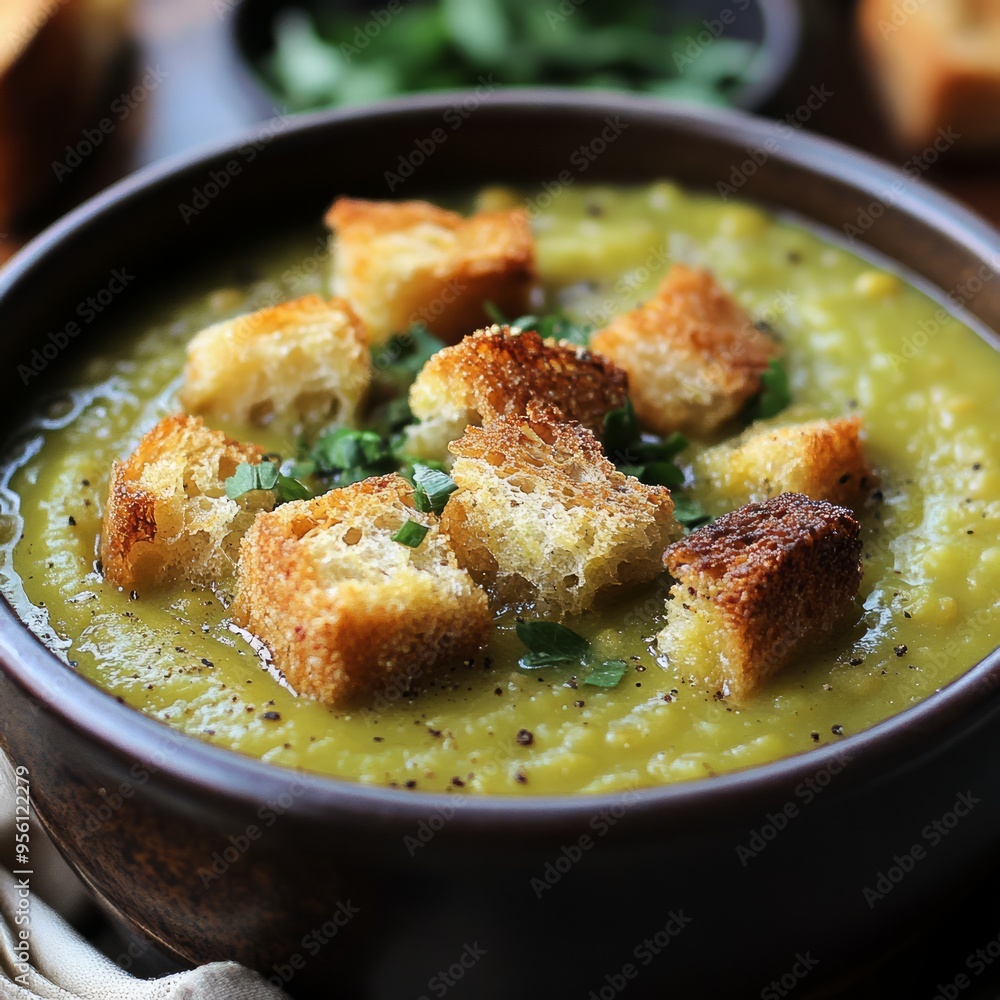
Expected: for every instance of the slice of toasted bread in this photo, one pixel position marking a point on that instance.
(692, 355)
(822, 459)
(755, 586)
(168, 517)
(936, 64)
(345, 610)
(499, 372)
(541, 515)
(299, 366)
(400, 263)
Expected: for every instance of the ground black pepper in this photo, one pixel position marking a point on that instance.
(525, 737)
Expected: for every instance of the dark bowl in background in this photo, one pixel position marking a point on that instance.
(359, 891)
(775, 26)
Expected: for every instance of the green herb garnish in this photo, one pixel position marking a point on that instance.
(552, 644)
(249, 477)
(395, 364)
(265, 476)
(689, 512)
(549, 643)
(555, 326)
(346, 456)
(607, 673)
(639, 45)
(645, 456)
(411, 533)
(288, 488)
(661, 474)
(401, 357)
(432, 488)
(775, 395)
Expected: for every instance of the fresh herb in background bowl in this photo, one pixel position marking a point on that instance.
(315, 54)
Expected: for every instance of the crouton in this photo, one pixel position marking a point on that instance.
(345, 610)
(693, 356)
(298, 366)
(755, 586)
(936, 67)
(498, 372)
(168, 517)
(541, 515)
(400, 263)
(823, 459)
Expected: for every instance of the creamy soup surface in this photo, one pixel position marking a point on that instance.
(856, 339)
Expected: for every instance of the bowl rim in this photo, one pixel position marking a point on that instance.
(220, 772)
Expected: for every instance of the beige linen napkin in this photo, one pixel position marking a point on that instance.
(60, 964)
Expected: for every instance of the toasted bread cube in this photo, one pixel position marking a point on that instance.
(541, 515)
(498, 372)
(693, 356)
(936, 67)
(298, 366)
(822, 459)
(756, 586)
(345, 610)
(401, 263)
(168, 517)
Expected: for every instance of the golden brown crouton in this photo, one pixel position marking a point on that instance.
(298, 366)
(168, 517)
(756, 585)
(541, 515)
(344, 609)
(693, 356)
(936, 67)
(823, 459)
(401, 263)
(498, 372)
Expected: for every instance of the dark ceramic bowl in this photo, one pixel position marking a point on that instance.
(343, 890)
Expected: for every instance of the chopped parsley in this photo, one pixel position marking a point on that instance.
(395, 364)
(265, 476)
(411, 533)
(321, 59)
(432, 488)
(689, 512)
(607, 673)
(288, 488)
(645, 456)
(346, 456)
(650, 460)
(401, 357)
(249, 477)
(555, 326)
(552, 644)
(775, 395)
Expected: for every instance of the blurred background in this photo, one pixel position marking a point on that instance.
(91, 90)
